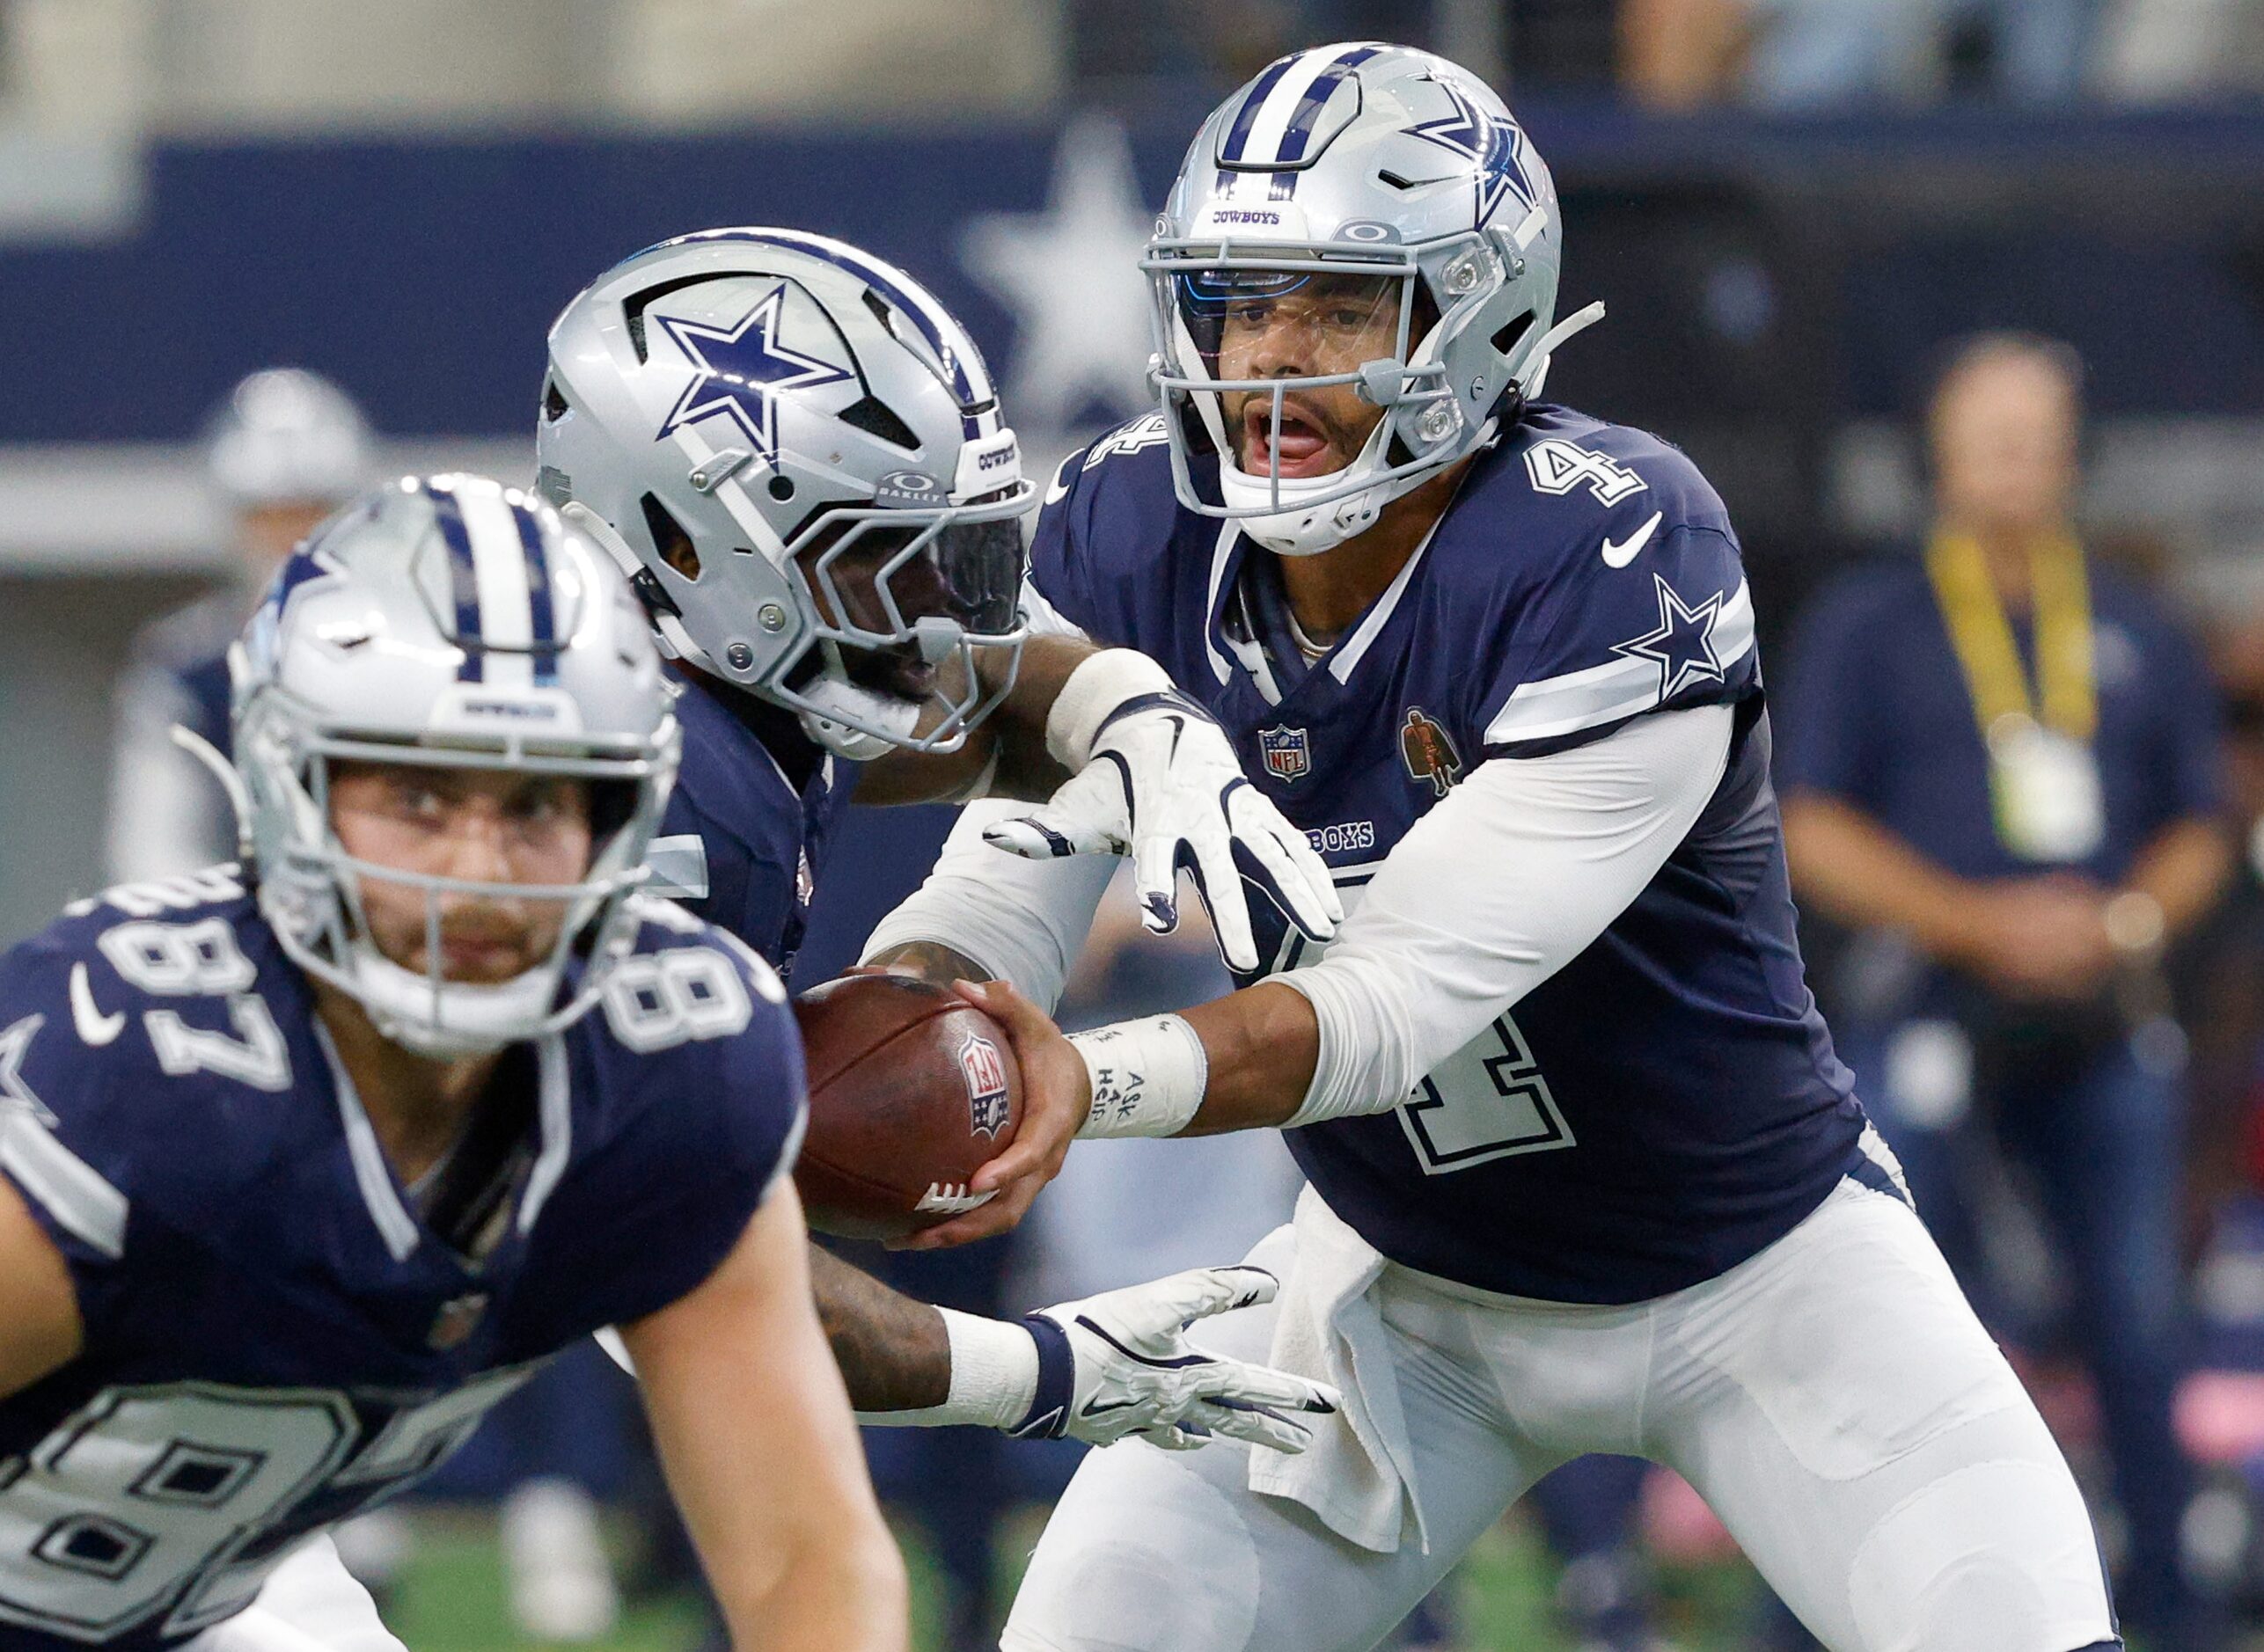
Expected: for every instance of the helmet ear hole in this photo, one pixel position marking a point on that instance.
(555, 407)
(1506, 338)
(670, 538)
(875, 418)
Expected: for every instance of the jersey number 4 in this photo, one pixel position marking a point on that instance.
(1487, 1101)
(1557, 466)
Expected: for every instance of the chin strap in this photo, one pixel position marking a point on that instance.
(239, 800)
(1579, 321)
(667, 624)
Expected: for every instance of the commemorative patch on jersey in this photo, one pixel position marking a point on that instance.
(1287, 754)
(984, 1070)
(1428, 752)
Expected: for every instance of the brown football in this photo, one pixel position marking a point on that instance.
(911, 1089)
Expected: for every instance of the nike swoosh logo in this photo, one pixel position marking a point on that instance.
(94, 1027)
(1058, 489)
(1618, 556)
(1095, 1408)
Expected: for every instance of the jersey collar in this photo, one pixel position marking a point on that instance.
(381, 1190)
(1249, 620)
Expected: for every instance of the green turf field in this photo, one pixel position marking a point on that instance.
(452, 1600)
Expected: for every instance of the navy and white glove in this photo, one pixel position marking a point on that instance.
(1156, 778)
(1119, 1364)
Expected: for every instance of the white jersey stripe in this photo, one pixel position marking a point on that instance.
(68, 1188)
(1616, 688)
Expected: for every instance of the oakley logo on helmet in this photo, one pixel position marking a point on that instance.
(740, 371)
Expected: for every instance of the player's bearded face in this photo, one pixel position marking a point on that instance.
(485, 825)
(1301, 327)
(968, 573)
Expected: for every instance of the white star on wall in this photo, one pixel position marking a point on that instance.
(1071, 275)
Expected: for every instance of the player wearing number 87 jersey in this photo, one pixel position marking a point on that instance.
(309, 1164)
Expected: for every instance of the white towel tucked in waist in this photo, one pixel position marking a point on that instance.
(1358, 1474)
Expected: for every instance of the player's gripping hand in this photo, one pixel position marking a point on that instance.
(1120, 1363)
(1158, 781)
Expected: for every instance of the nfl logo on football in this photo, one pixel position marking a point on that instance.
(985, 1072)
(1286, 753)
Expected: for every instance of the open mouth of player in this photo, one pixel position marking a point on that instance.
(1296, 446)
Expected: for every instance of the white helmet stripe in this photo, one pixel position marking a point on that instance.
(499, 564)
(1281, 105)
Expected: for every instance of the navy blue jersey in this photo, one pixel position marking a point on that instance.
(1668, 1102)
(752, 815)
(278, 1332)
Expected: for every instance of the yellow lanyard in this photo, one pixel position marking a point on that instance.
(1994, 679)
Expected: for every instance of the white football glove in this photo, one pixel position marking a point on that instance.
(1161, 785)
(1119, 1364)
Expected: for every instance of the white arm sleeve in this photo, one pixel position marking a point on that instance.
(1022, 920)
(1509, 878)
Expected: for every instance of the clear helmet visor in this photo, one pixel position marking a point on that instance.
(1245, 323)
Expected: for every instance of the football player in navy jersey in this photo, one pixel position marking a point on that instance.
(798, 456)
(309, 1163)
(1585, 1174)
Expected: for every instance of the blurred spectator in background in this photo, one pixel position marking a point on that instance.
(285, 450)
(2002, 762)
(1812, 54)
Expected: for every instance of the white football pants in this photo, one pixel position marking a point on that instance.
(310, 1603)
(1832, 1398)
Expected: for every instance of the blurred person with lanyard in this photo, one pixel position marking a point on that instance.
(2001, 763)
(286, 448)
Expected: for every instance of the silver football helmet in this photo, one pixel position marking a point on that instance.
(447, 622)
(1386, 174)
(287, 436)
(799, 456)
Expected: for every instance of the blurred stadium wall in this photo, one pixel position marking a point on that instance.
(401, 194)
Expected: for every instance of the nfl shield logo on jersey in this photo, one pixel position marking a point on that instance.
(1286, 755)
(985, 1072)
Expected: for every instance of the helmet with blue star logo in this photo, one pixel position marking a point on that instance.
(799, 456)
(441, 624)
(1361, 231)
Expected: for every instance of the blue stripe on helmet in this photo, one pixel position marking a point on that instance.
(464, 577)
(542, 627)
(1246, 117)
(1306, 115)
